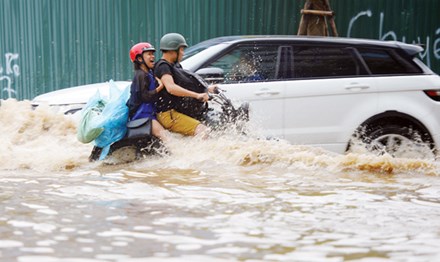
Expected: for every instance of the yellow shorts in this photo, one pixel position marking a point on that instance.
(178, 122)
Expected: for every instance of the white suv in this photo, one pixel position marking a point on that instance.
(329, 92)
(336, 93)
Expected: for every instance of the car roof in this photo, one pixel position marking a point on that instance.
(410, 49)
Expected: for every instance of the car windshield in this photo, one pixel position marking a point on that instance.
(194, 62)
(195, 49)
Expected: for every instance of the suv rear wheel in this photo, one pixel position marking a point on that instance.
(397, 139)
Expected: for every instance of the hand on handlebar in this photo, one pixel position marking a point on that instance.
(203, 97)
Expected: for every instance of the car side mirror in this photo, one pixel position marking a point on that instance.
(212, 75)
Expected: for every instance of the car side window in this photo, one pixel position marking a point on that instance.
(324, 61)
(384, 62)
(247, 63)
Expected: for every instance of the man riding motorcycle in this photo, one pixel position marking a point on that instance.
(182, 102)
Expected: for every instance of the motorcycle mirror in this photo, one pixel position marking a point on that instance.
(212, 75)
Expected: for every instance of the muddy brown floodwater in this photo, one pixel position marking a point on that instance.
(227, 198)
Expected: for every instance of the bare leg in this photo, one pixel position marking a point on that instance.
(158, 131)
(202, 130)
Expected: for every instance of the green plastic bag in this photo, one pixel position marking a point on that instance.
(88, 129)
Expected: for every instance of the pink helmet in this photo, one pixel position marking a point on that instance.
(139, 48)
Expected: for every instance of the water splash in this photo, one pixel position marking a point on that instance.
(38, 139)
(45, 141)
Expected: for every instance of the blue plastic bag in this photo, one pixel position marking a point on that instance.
(112, 119)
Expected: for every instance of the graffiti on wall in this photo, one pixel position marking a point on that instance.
(9, 70)
(432, 46)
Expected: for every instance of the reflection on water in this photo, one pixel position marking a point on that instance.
(226, 198)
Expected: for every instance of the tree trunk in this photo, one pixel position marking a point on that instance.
(315, 22)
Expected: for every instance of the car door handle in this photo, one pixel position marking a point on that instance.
(356, 87)
(266, 91)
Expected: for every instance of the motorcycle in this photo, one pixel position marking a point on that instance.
(139, 141)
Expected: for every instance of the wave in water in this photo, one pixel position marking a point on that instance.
(38, 139)
(43, 140)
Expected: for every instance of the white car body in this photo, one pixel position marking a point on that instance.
(303, 114)
(73, 99)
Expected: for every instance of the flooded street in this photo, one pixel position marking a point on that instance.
(227, 198)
